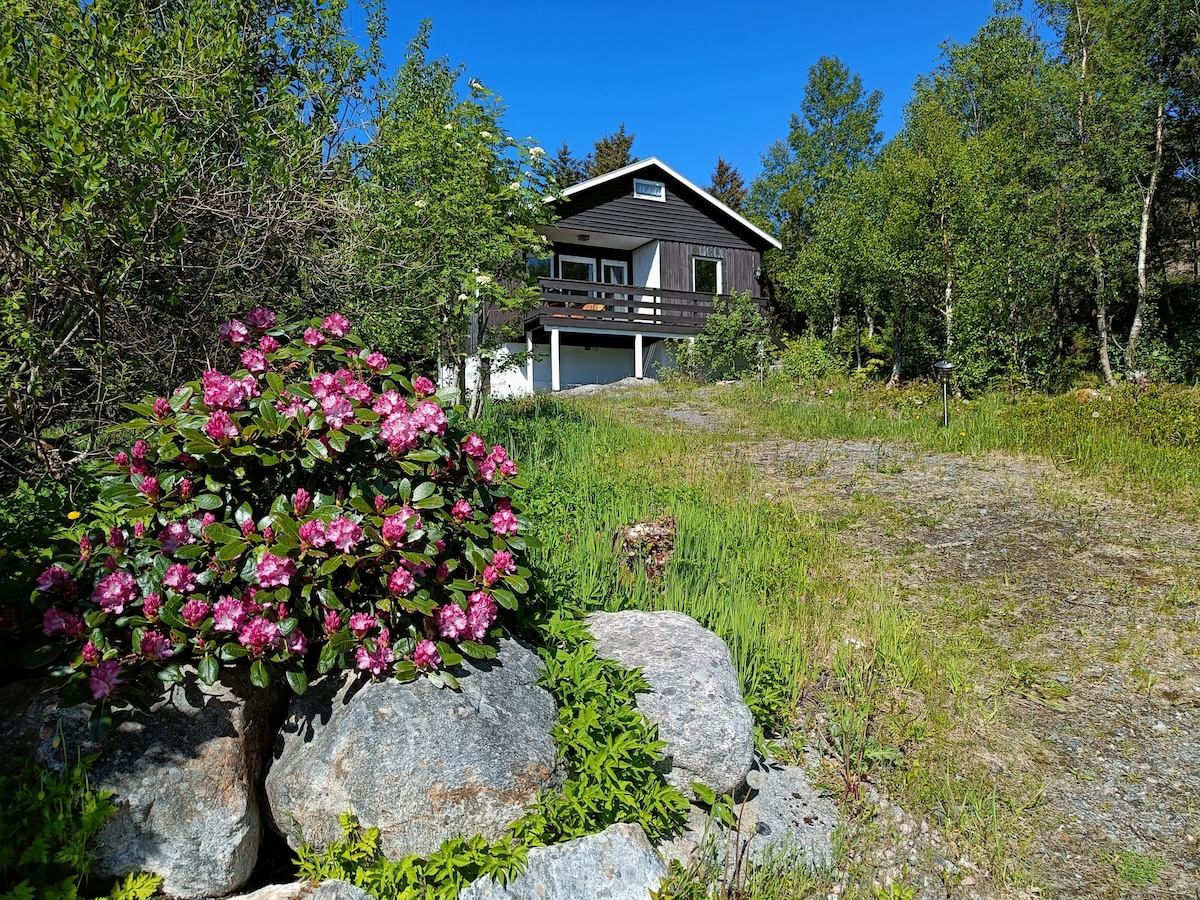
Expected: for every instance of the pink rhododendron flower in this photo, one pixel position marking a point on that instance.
(194, 612)
(57, 580)
(399, 432)
(429, 417)
(259, 636)
(504, 522)
(180, 579)
(473, 446)
(487, 470)
(361, 623)
(401, 581)
(222, 391)
(140, 449)
(156, 645)
(336, 324)
(275, 571)
(296, 643)
(423, 387)
(149, 487)
(90, 653)
(235, 332)
(380, 660)
(104, 678)
(508, 468)
(451, 621)
(162, 408)
(288, 405)
(85, 547)
(426, 656)
(376, 361)
(254, 360)
(337, 410)
(461, 510)
(121, 459)
(116, 591)
(394, 528)
(325, 385)
(57, 621)
(116, 539)
(140, 467)
(268, 344)
(139, 529)
(481, 613)
(343, 533)
(300, 501)
(389, 403)
(151, 605)
(110, 564)
(260, 318)
(220, 427)
(443, 572)
(503, 560)
(312, 533)
(490, 575)
(229, 614)
(332, 622)
(313, 338)
(380, 503)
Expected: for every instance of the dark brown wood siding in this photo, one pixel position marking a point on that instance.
(737, 266)
(612, 208)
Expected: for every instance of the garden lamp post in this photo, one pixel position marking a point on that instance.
(944, 370)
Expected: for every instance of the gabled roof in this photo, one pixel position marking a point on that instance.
(655, 162)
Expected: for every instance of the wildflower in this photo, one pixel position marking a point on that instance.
(426, 656)
(423, 387)
(336, 324)
(151, 605)
(275, 571)
(461, 510)
(473, 446)
(451, 621)
(378, 661)
(104, 678)
(115, 591)
(180, 578)
(360, 623)
(162, 408)
(229, 614)
(259, 635)
(343, 533)
(313, 338)
(254, 360)
(155, 645)
(260, 318)
(194, 612)
(401, 581)
(234, 332)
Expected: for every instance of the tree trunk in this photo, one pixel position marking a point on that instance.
(1101, 310)
(897, 350)
(1143, 279)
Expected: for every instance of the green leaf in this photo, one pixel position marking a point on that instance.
(170, 674)
(209, 669)
(330, 565)
(232, 550)
(423, 490)
(100, 722)
(433, 502)
(221, 533)
(259, 676)
(297, 681)
(328, 659)
(208, 501)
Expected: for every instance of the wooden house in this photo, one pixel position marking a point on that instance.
(638, 256)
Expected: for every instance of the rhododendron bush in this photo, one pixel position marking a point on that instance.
(313, 510)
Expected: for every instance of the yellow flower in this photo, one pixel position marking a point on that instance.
(962, 434)
(74, 514)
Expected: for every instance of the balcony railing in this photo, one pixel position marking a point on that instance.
(619, 307)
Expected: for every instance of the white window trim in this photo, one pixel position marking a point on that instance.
(720, 272)
(624, 267)
(660, 197)
(589, 261)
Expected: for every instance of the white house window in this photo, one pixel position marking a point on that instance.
(649, 190)
(706, 275)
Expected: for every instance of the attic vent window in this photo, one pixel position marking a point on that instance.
(649, 190)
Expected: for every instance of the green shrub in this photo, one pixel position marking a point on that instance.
(728, 346)
(315, 510)
(806, 360)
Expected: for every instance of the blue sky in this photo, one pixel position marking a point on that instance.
(693, 81)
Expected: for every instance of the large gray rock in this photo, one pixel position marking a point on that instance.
(694, 699)
(185, 779)
(420, 763)
(334, 889)
(617, 864)
(782, 814)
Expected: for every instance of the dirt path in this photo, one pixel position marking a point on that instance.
(1094, 600)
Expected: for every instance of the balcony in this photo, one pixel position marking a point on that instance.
(588, 306)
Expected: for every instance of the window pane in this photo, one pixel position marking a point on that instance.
(539, 267)
(578, 271)
(704, 276)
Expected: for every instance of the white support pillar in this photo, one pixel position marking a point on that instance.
(637, 356)
(555, 371)
(529, 361)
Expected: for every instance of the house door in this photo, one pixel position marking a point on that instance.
(615, 272)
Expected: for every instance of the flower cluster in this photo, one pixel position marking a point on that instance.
(309, 511)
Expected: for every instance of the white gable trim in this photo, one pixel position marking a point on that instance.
(700, 192)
